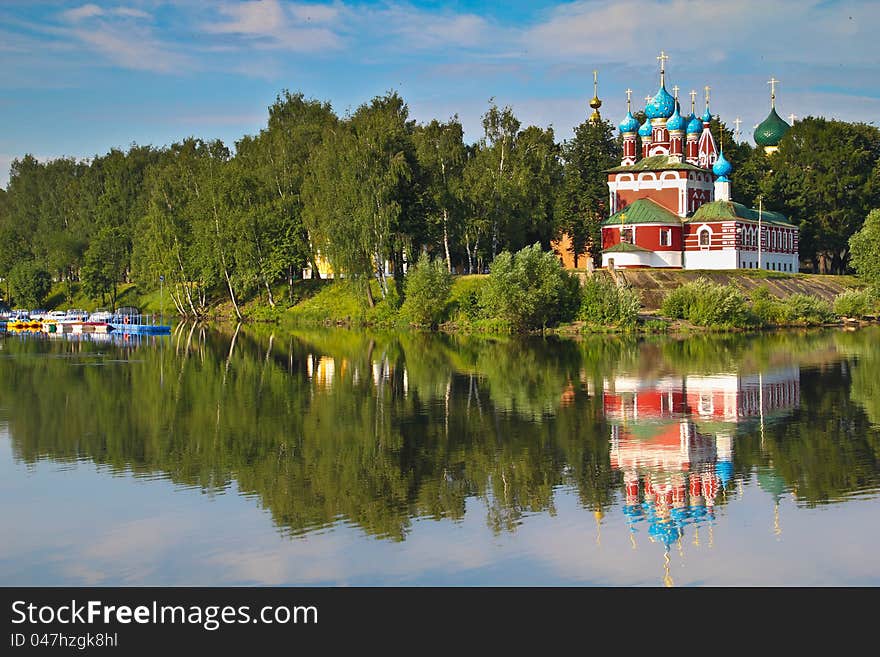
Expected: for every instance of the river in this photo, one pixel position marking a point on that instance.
(335, 457)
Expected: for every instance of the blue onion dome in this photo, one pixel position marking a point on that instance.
(629, 124)
(707, 116)
(675, 122)
(662, 105)
(645, 130)
(722, 168)
(695, 126)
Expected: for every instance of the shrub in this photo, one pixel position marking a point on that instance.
(704, 303)
(605, 303)
(464, 301)
(426, 292)
(805, 309)
(530, 289)
(856, 303)
(678, 302)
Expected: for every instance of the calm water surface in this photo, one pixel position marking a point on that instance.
(345, 458)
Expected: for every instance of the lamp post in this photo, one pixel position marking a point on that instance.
(161, 299)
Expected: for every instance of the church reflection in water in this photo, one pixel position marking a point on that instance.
(674, 438)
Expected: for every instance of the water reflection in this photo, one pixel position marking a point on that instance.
(378, 431)
(673, 440)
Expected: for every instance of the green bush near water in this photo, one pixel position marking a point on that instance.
(705, 303)
(530, 290)
(857, 303)
(464, 300)
(605, 303)
(426, 292)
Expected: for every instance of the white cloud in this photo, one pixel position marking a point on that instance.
(315, 13)
(634, 31)
(271, 24)
(130, 12)
(136, 49)
(426, 30)
(81, 13)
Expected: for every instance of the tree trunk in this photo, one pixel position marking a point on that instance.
(290, 282)
(446, 239)
(370, 300)
(314, 262)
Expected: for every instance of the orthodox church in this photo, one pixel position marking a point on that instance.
(669, 200)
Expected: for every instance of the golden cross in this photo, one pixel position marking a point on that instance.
(693, 99)
(596, 84)
(737, 121)
(792, 117)
(675, 92)
(629, 93)
(772, 82)
(707, 88)
(662, 57)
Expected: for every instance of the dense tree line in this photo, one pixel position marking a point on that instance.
(370, 191)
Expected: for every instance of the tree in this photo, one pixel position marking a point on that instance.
(751, 168)
(266, 179)
(105, 263)
(539, 174)
(822, 178)
(186, 235)
(361, 196)
(582, 203)
(865, 250)
(30, 283)
(442, 154)
(493, 185)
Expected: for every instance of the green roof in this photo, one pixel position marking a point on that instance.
(642, 211)
(657, 163)
(730, 211)
(625, 247)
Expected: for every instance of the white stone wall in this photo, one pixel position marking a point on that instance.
(772, 261)
(643, 259)
(706, 259)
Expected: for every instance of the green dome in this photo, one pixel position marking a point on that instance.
(771, 130)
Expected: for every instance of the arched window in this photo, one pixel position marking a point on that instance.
(704, 237)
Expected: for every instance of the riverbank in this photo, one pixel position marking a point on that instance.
(767, 299)
(773, 299)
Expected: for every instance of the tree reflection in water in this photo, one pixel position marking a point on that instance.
(380, 429)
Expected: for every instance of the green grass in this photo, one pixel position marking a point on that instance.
(336, 302)
(64, 297)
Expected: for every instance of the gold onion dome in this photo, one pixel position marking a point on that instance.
(595, 103)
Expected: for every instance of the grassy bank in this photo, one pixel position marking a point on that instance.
(688, 301)
(64, 296)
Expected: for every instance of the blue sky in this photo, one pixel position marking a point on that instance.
(78, 78)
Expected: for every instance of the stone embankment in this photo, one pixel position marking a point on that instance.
(655, 284)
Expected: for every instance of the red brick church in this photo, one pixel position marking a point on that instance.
(669, 200)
